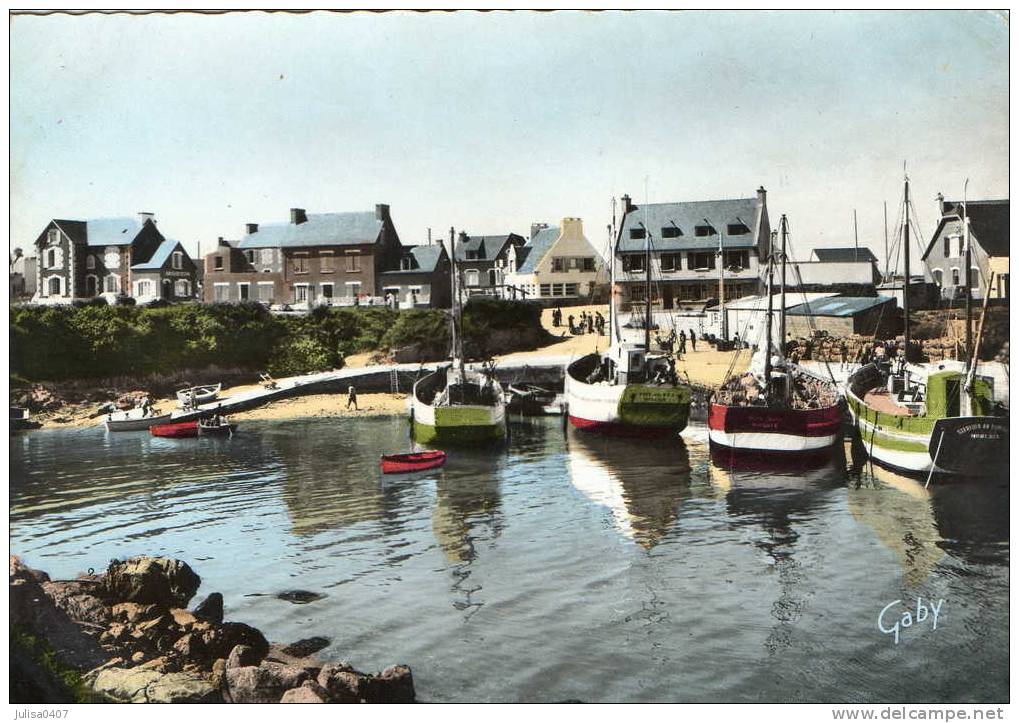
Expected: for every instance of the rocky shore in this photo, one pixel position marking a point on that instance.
(128, 636)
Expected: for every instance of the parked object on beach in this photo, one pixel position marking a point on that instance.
(531, 400)
(627, 391)
(413, 462)
(453, 404)
(20, 420)
(175, 429)
(193, 396)
(134, 420)
(216, 426)
(932, 419)
(777, 410)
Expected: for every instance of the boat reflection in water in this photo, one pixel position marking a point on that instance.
(641, 483)
(900, 512)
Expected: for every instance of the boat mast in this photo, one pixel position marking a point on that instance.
(967, 277)
(453, 291)
(721, 284)
(768, 327)
(905, 270)
(785, 233)
(885, 277)
(647, 279)
(612, 273)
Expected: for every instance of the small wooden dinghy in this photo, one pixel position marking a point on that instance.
(216, 427)
(414, 462)
(135, 420)
(176, 430)
(192, 396)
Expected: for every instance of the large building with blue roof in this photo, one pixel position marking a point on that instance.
(111, 258)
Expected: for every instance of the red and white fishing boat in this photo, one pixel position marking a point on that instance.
(777, 411)
(176, 429)
(413, 462)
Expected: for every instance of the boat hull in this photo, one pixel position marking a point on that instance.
(777, 433)
(177, 431)
(400, 463)
(136, 424)
(455, 423)
(631, 410)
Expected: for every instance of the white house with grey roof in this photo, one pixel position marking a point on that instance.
(556, 264)
(686, 238)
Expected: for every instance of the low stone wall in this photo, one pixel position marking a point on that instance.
(127, 636)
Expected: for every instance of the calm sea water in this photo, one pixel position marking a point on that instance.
(560, 567)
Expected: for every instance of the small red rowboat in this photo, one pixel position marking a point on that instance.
(394, 463)
(179, 429)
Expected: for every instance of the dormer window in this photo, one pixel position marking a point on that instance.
(178, 260)
(705, 231)
(671, 232)
(637, 233)
(737, 229)
(472, 255)
(406, 263)
(53, 236)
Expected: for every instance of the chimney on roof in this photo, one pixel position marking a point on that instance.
(762, 195)
(463, 237)
(222, 242)
(627, 203)
(536, 227)
(941, 203)
(146, 216)
(382, 211)
(251, 228)
(297, 215)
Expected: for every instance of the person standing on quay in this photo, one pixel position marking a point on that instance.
(573, 326)
(693, 340)
(352, 397)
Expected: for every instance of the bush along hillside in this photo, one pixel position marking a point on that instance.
(95, 341)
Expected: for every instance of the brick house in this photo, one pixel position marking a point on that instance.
(685, 239)
(314, 259)
(945, 256)
(111, 258)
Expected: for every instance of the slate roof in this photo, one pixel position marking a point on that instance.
(687, 215)
(101, 231)
(845, 254)
(159, 258)
(321, 229)
(838, 306)
(535, 249)
(485, 248)
(426, 259)
(988, 221)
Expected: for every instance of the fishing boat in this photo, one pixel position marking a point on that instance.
(175, 429)
(216, 427)
(20, 419)
(934, 419)
(628, 390)
(413, 462)
(531, 400)
(138, 419)
(193, 396)
(454, 404)
(777, 411)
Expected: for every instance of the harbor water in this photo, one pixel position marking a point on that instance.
(557, 567)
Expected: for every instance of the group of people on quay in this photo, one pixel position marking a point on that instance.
(587, 324)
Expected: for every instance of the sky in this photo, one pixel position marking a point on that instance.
(490, 121)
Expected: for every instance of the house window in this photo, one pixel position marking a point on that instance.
(54, 286)
(571, 289)
(90, 262)
(327, 291)
(301, 264)
(493, 277)
(637, 292)
(546, 289)
(558, 265)
(948, 246)
(636, 233)
(472, 255)
(265, 291)
(955, 276)
(589, 263)
(353, 262)
(217, 263)
(300, 292)
(407, 263)
(415, 294)
(51, 258)
(249, 255)
(737, 229)
(144, 288)
(53, 236)
(471, 277)
(221, 292)
(961, 249)
(182, 288)
(738, 258)
(242, 291)
(178, 260)
(353, 289)
(701, 260)
(939, 277)
(112, 284)
(672, 262)
(705, 230)
(671, 232)
(557, 289)
(974, 277)
(633, 262)
(326, 262)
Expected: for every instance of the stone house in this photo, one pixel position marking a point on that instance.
(482, 261)
(556, 264)
(945, 256)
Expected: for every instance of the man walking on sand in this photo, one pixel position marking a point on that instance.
(693, 340)
(352, 397)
